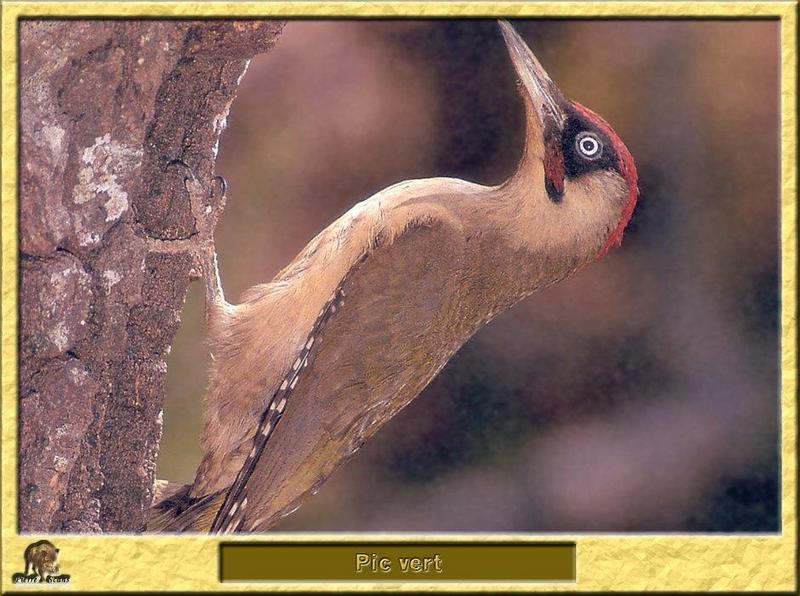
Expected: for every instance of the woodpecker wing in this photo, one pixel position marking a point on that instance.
(383, 335)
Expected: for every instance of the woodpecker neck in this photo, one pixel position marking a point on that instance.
(551, 239)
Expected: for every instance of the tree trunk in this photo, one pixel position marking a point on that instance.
(105, 107)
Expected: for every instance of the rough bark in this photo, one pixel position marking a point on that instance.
(105, 106)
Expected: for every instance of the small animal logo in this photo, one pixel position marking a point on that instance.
(41, 565)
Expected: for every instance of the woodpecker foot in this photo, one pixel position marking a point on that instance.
(206, 207)
(218, 180)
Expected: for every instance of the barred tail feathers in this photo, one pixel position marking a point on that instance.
(182, 513)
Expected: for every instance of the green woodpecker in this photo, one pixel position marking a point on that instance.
(313, 363)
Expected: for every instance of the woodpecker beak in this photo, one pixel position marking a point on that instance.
(545, 96)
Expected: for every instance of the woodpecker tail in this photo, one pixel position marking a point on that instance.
(180, 512)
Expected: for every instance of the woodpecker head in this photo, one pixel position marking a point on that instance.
(587, 170)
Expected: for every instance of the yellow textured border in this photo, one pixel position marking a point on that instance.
(605, 563)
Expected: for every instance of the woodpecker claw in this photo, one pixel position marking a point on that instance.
(223, 184)
(179, 162)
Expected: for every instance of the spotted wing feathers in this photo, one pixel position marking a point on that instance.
(231, 514)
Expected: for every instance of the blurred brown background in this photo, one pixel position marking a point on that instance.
(641, 395)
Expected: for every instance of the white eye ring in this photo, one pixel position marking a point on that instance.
(589, 145)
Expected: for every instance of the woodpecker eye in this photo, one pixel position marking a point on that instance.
(589, 145)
